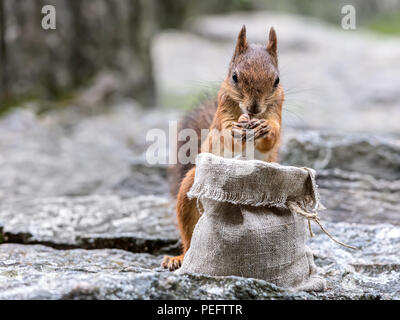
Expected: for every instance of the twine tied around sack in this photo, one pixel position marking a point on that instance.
(313, 216)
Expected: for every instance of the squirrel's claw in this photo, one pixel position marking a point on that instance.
(250, 130)
(172, 263)
(250, 124)
(253, 123)
(262, 131)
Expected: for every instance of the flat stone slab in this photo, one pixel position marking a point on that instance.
(371, 270)
(358, 174)
(353, 197)
(375, 156)
(141, 224)
(40, 272)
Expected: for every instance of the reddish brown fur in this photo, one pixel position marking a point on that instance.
(256, 67)
(199, 118)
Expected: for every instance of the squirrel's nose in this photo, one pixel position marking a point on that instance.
(253, 108)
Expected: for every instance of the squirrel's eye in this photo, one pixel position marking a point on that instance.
(235, 77)
(276, 83)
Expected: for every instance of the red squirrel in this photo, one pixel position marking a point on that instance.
(250, 98)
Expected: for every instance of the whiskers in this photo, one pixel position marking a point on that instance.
(211, 86)
(297, 98)
(294, 102)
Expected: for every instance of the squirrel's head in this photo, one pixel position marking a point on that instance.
(253, 77)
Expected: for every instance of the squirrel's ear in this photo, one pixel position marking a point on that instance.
(272, 46)
(241, 45)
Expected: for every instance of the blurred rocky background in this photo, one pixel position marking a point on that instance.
(84, 216)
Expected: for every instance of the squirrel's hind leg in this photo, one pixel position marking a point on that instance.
(187, 216)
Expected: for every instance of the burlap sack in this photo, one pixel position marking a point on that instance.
(247, 228)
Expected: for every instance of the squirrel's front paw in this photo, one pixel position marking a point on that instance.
(262, 129)
(251, 130)
(172, 263)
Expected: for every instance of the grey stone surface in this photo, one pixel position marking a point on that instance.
(371, 272)
(80, 179)
(368, 154)
(358, 177)
(358, 174)
(353, 197)
(128, 209)
(39, 272)
(141, 224)
(72, 153)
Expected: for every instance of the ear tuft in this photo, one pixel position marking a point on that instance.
(241, 45)
(272, 46)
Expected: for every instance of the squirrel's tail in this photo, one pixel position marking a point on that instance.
(197, 119)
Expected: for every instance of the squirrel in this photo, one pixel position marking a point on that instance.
(250, 99)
